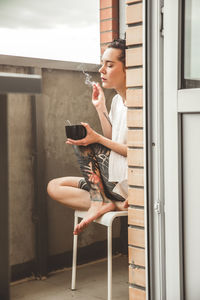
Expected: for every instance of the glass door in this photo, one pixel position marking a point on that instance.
(182, 147)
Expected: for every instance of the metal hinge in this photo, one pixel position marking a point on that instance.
(157, 207)
(162, 21)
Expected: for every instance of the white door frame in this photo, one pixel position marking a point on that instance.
(172, 152)
(156, 151)
(168, 102)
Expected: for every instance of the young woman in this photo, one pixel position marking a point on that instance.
(102, 158)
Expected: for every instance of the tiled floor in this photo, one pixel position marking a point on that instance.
(91, 284)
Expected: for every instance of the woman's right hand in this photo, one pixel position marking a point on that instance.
(98, 98)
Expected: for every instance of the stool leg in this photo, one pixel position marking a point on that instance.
(109, 262)
(74, 261)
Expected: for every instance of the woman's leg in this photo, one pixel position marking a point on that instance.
(66, 191)
(90, 168)
(102, 156)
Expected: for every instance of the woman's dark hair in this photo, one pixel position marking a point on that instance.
(119, 44)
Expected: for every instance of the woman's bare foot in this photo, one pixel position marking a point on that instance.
(96, 209)
(120, 206)
(126, 203)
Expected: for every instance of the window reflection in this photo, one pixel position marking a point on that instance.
(191, 44)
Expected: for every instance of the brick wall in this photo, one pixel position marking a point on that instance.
(109, 22)
(109, 27)
(134, 64)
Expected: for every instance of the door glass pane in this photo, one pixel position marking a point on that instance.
(191, 44)
(191, 205)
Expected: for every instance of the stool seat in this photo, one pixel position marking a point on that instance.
(105, 220)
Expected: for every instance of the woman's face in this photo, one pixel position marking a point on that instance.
(112, 72)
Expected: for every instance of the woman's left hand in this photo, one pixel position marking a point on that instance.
(91, 137)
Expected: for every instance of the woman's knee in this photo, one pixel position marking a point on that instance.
(53, 188)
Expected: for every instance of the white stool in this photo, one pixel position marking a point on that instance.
(106, 220)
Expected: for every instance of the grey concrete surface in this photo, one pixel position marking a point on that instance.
(21, 181)
(91, 284)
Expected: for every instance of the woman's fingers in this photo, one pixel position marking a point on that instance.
(91, 137)
(95, 92)
(76, 142)
(99, 88)
(86, 125)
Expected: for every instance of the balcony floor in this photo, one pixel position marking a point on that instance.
(91, 283)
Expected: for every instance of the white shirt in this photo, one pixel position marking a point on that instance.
(118, 167)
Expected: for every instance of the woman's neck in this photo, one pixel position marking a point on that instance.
(122, 93)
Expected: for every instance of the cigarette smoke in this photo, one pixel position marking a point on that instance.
(88, 79)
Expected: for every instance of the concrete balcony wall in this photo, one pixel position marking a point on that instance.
(65, 96)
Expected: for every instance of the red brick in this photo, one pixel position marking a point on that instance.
(109, 25)
(108, 3)
(135, 196)
(136, 177)
(136, 294)
(134, 35)
(106, 37)
(135, 118)
(109, 13)
(132, 1)
(136, 217)
(134, 13)
(136, 157)
(137, 276)
(135, 138)
(134, 97)
(105, 3)
(136, 256)
(134, 57)
(136, 237)
(134, 77)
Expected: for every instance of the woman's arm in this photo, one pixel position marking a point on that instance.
(105, 123)
(99, 102)
(94, 137)
(116, 147)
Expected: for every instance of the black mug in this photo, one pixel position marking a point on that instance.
(75, 132)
